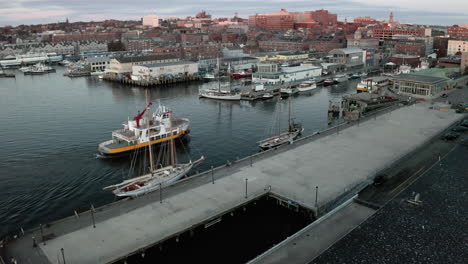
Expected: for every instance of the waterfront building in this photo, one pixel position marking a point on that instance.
(98, 63)
(455, 46)
(123, 65)
(453, 61)
(349, 57)
(165, 69)
(429, 83)
(239, 63)
(272, 73)
(403, 59)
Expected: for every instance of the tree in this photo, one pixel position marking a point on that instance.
(116, 46)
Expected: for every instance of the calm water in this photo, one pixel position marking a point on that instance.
(51, 126)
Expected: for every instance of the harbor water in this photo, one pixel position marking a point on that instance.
(51, 126)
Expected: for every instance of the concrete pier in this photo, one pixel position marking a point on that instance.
(337, 163)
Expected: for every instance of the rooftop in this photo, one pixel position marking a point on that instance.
(420, 78)
(168, 63)
(144, 58)
(347, 50)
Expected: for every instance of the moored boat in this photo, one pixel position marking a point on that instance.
(339, 78)
(287, 137)
(328, 82)
(288, 91)
(240, 75)
(307, 87)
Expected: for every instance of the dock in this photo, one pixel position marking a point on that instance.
(318, 172)
(151, 83)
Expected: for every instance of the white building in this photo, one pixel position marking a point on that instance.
(165, 70)
(151, 21)
(271, 74)
(455, 46)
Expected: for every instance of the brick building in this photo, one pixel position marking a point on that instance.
(101, 36)
(324, 47)
(323, 17)
(459, 32)
(365, 20)
(275, 45)
(440, 46)
(282, 20)
(464, 62)
(387, 33)
(411, 48)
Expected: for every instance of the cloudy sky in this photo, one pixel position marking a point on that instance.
(15, 12)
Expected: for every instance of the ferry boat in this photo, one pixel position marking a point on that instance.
(134, 135)
(369, 84)
(28, 59)
(307, 87)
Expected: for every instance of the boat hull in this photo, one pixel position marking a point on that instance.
(119, 151)
(234, 97)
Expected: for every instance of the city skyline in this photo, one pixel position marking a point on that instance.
(51, 11)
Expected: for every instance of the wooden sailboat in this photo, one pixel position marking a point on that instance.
(220, 94)
(156, 177)
(287, 137)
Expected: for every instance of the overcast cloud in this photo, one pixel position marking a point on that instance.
(15, 12)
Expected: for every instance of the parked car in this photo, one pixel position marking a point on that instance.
(444, 95)
(459, 129)
(451, 135)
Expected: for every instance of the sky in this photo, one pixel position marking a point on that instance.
(433, 12)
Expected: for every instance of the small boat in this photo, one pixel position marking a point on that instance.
(240, 75)
(307, 87)
(328, 82)
(355, 76)
(363, 74)
(208, 77)
(267, 96)
(294, 130)
(339, 78)
(288, 91)
(156, 178)
(6, 75)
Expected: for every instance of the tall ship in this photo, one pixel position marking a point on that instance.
(141, 131)
(157, 177)
(295, 129)
(219, 94)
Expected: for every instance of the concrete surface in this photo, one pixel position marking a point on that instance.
(317, 238)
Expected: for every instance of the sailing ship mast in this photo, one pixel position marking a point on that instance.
(172, 141)
(219, 75)
(289, 116)
(149, 133)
